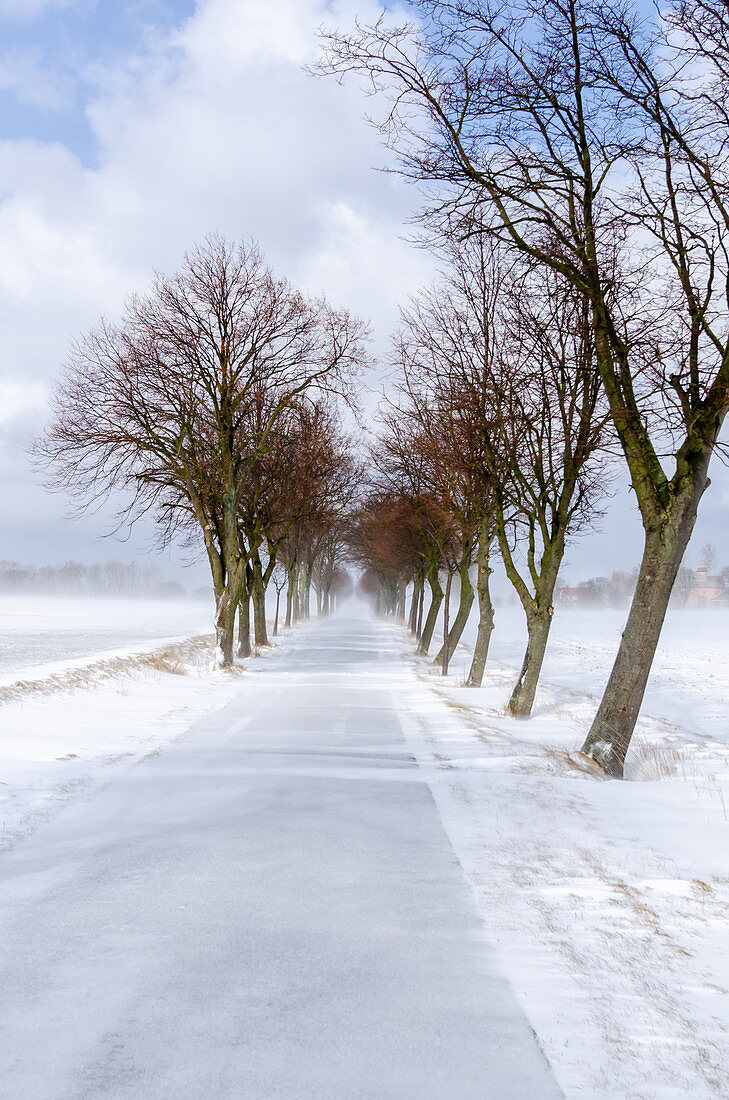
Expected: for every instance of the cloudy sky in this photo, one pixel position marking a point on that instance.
(128, 130)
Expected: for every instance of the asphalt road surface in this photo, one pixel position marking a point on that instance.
(270, 908)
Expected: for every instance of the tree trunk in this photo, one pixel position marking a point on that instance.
(537, 607)
(612, 729)
(244, 626)
(446, 614)
(291, 582)
(464, 609)
(421, 605)
(306, 574)
(278, 604)
(417, 588)
(225, 628)
(258, 592)
(227, 599)
(432, 617)
(485, 610)
(539, 622)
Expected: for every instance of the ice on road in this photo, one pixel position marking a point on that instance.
(270, 908)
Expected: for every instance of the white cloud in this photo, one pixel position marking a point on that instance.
(219, 129)
(18, 398)
(216, 127)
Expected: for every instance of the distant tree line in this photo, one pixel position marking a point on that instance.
(113, 578)
(705, 586)
(613, 591)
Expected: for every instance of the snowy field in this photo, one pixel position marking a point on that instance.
(609, 900)
(37, 631)
(689, 684)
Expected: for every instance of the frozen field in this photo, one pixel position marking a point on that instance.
(40, 631)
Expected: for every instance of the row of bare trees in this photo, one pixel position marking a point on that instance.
(497, 434)
(588, 141)
(214, 402)
(574, 157)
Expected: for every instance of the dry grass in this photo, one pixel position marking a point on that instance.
(575, 761)
(165, 663)
(454, 704)
(650, 762)
(178, 659)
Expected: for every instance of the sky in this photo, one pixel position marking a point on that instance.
(130, 130)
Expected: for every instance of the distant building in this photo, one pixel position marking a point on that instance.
(707, 591)
(576, 596)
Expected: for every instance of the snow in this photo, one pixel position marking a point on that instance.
(270, 908)
(36, 631)
(609, 900)
(75, 711)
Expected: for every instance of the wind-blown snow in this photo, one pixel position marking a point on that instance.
(609, 900)
(76, 704)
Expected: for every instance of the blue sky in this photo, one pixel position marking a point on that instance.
(54, 57)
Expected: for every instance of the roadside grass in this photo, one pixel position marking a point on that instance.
(180, 658)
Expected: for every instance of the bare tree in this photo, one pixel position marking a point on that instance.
(306, 465)
(511, 352)
(432, 424)
(278, 579)
(389, 538)
(708, 556)
(317, 484)
(406, 461)
(593, 138)
(161, 404)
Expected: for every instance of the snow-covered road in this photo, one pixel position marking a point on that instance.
(269, 908)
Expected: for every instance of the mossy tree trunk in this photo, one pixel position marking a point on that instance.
(244, 625)
(436, 600)
(258, 595)
(417, 591)
(668, 510)
(421, 608)
(465, 604)
(536, 601)
(666, 540)
(485, 605)
(445, 649)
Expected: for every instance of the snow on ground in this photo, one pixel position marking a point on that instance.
(609, 900)
(76, 705)
(39, 630)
